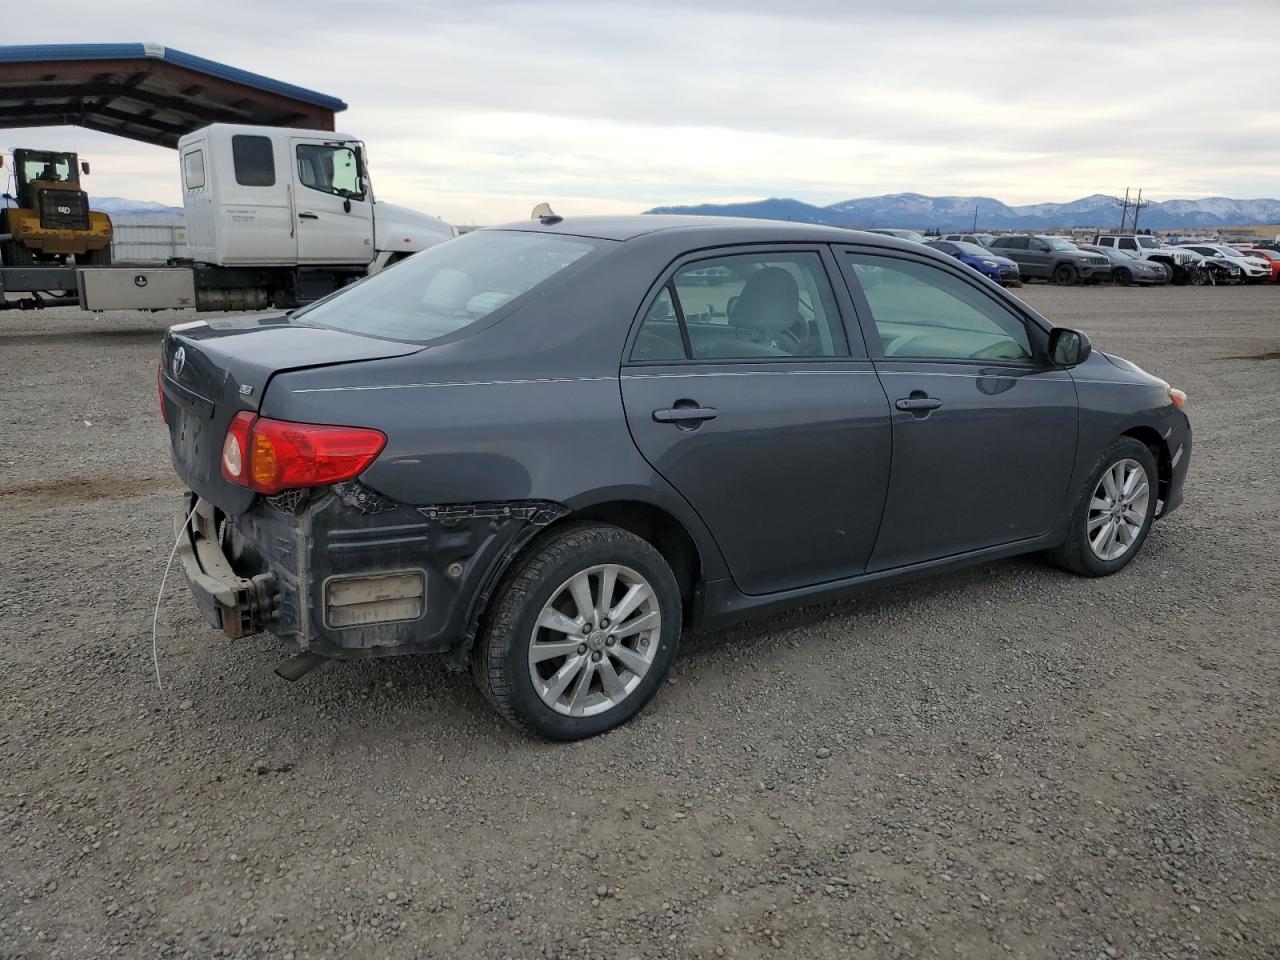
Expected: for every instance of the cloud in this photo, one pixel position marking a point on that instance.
(475, 111)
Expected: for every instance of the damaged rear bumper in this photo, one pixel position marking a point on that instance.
(344, 572)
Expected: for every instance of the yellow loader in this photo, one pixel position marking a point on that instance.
(47, 220)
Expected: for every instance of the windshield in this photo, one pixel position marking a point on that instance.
(449, 286)
(971, 249)
(1148, 243)
(1057, 243)
(57, 168)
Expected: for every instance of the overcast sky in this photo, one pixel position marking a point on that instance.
(475, 110)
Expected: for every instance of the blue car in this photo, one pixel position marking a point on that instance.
(1000, 269)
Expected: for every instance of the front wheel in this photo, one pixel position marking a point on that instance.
(1113, 514)
(94, 258)
(581, 635)
(1065, 273)
(1123, 277)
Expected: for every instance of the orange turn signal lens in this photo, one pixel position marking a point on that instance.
(1178, 397)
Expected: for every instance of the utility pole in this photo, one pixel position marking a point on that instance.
(975, 218)
(1136, 205)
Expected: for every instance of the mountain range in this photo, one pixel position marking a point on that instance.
(919, 212)
(119, 206)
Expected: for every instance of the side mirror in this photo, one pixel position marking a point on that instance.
(1068, 348)
(84, 167)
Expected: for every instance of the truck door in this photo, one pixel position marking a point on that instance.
(333, 211)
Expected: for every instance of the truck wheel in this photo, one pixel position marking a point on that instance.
(1065, 273)
(95, 258)
(14, 254)
(1113, 512)
(1123, 277)
(580, 635)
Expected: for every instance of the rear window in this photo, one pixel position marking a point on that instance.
(449, 286)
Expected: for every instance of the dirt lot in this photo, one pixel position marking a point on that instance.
(1006, 762)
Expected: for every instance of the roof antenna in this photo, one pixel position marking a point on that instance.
(544, 214)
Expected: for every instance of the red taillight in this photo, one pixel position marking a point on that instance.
(164, 414)
(272, 455)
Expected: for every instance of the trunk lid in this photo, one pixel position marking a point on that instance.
(211, 370)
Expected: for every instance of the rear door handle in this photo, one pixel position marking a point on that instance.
(685, 414)
(308, 216)
(918, 403)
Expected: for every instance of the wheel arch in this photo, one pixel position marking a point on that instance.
(652, 523)
(1153, 441)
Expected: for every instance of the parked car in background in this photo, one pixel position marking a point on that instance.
(557, 454)
(911, 235)
(1181, 263)
(1127, 268)
(981, 239)
(1252, 269)
(1271, 256)
(1052, 258)
(1000, 269)
(1217, 271)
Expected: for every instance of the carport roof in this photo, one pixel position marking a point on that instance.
(146, 92)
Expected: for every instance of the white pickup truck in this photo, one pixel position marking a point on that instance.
(1180, 263)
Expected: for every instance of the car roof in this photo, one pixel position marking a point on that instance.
(719, 230)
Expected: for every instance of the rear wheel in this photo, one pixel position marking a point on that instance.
(1065, 273)
(581, 635)
(1113, 514)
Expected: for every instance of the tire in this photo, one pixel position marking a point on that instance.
(1065, 273)
(1199, 277)
(14, 254)
(1122, 277)
(1079, 553)
(540, 585)
(95, 258)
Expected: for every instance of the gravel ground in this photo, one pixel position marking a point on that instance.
(1004, 762)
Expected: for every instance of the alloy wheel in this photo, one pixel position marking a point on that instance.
(594, 640)
(1118, 510)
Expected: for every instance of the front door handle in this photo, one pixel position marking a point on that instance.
(918, 403)
(308, 216)
(690, 415)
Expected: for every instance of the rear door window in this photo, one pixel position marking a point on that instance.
(744, 307)
(254, 160)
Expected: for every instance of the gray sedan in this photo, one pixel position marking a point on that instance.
(546, 450)
(1127, 268)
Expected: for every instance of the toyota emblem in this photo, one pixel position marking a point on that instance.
(179, 361)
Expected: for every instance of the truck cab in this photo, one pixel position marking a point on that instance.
(280, 197)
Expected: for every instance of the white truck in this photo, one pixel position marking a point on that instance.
(275, 217)
(1180, 264)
